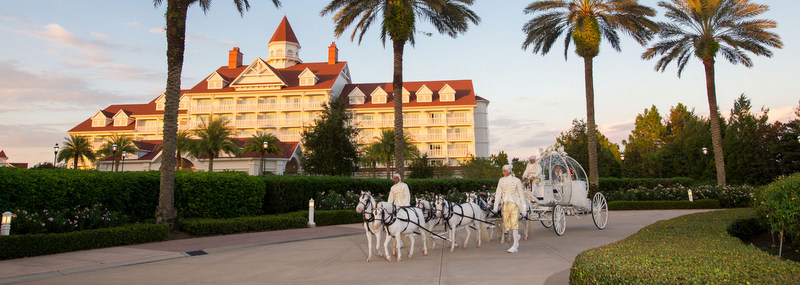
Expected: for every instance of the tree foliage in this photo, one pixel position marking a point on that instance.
(574, 142)
(330, 144)
(77, 148)
(215, 136)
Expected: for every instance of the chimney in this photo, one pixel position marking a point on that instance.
(333, 54)
(234, 58)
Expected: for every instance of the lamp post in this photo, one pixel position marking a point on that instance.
(705, 150)
(5, 229)
(265, 145)
(311, 213)
(55, 154)
(114, 157)
(621, 164)
(124, 153)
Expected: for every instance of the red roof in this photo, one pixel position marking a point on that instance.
(3, 155)
(130, 109)
(326, 73)
(284, 33)
(465, 95)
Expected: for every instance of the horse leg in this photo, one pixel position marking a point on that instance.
(378, 242)
(413, 238)
(424, 244)
(386, 247)
(480, 232)
(452, 236)
(397, 246)
(369, 242)
(466, 239)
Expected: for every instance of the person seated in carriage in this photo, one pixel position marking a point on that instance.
(532, 174)
(509, 194)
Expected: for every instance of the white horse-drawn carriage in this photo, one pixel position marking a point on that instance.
(561, 190)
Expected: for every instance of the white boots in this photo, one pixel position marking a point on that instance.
(514, 248)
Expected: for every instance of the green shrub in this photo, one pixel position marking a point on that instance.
(226, 194)
(204, 227)
(728, 196)
(16, 246)
(779, 204)
(67, 220)
(747, 228)
(332, 217)
(660, 205)
(691, 249)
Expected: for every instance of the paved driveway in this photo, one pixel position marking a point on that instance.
(544, 259)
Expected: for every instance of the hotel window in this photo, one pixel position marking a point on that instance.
(99, 122)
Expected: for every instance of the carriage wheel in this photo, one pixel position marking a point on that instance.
(599, 210)
(559, 220)
(547, 223)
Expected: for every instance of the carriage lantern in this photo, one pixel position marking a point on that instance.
(311, 223)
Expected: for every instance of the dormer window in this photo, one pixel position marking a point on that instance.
(424, 94)
(100, 120)
(308, 78)
(356, 97)
(406, 95)
(447, 94)
(378, 96)
(216, 81)
(122, 118)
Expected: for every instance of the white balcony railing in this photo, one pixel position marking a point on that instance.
(458, 152)
(435, 153)
(459, 136)
(148, 129)
(459, 120)
(289, 137)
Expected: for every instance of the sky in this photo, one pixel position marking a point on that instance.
(61, 61)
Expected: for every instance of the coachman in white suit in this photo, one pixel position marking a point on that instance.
(509, 194)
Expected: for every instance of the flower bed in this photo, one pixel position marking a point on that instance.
(728, 196)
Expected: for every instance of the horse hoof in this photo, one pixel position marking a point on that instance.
(409, 257)
(525, 239)
(451, 250)
(389, 259)
(368, 260)
(465, 246)
(425, 253)
(502, 242)
(398, 260)
(479, 246)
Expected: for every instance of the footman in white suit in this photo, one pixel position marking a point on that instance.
(509, 195)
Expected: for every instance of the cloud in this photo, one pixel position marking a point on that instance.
(25, 91)
(33, 145)
(159, 30)
(131, 24)
(90, 52)
(100, 35)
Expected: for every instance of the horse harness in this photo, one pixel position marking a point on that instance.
(391, 219)
(371, 215)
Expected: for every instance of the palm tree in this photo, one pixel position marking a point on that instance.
(78, 148)
(586, 22)
(215, 137)
(123, 144)
(704, 27)
(383, 146)
(176, 35)
(398, 22)
(263, 143)
(183, 144)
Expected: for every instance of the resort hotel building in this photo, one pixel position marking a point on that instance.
(283, 95)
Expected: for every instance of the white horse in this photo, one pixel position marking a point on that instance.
(429, 212)
(366, 205)
(459, 215)
(399, 221)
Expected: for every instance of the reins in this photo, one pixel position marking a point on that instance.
(388, 221)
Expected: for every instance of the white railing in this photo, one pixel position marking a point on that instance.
(312, 105)
(291, 105)
(148, 129)
(268, 106)
(201, 109)
(289, 137)
(458, 152)
(247, 107)
(246, 123)
(435, 153)
(459, 120)
(459, 136)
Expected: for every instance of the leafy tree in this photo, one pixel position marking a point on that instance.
(176, 36)
(518, 166)
(574, 142)
(479, 167)
(682, 153)
(500, 159)
(382, 148)
(585, 23)
(642, 147)
(330, 145)
(422, 167)
(44, 165)
(703, 28)
(78, 148)
(398, 22)
(123, 144)
(750, 135)
(214, 137)
(256, 144)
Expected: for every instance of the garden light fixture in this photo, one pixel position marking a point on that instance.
(705, 150)
(311, 213)
(691, 198)
(5, 229)
(55, 154)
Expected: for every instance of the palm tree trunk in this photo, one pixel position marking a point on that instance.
(76, 162)
(397, 93)
(210, 162)
(178, 160)
(176, 32)
(591, 129)
(116, 163)
(716, 134)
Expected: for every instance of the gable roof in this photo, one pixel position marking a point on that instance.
(3, 155)
(327, 74)
(465, 94)
(129, 109)
(284, 33)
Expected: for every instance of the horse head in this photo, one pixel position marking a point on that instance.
(365, 202)
(440, 205)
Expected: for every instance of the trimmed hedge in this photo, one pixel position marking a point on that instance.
(16, 246)
(226, 194)
(661, 205)
(299, 219)
(691, 249)
(612, 184)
